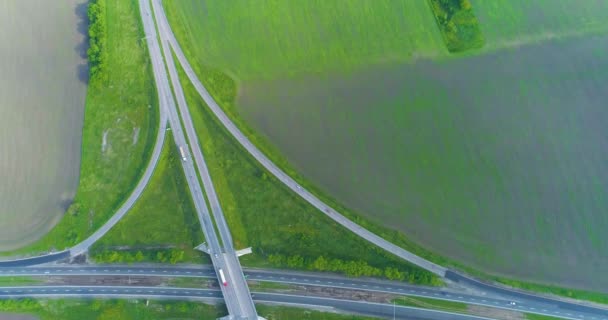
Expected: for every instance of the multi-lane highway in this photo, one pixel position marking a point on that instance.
(522, 304)
(236, 293)
(360, 307)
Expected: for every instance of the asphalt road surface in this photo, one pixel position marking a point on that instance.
(236, 293)
(367, 308)
(522, 304)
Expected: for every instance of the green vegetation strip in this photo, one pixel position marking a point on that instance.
(119, 129)
(458, 24)
(428, 303)
(531, 316)
(97, 52)
(278, 222)
(66, 309)
(162, 226)
(19, 281)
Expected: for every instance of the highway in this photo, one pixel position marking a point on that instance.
(548, 308)
(233, 268)
(372, 309)
(278, 173)
(236, 293)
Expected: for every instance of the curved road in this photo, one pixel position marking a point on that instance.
(359, 307)
(119, 214)
(523, 304)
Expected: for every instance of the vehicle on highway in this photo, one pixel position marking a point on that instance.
(181, 150)
(221, 272)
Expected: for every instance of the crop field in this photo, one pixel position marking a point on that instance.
(118, 134)
(42, 96)
(494, 159)
(271, 38)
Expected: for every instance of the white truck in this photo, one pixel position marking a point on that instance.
(221, 272)
(183, 152)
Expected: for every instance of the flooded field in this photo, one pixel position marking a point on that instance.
(499, 160)
(42, 92)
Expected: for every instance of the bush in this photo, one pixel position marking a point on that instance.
(353, 268)
(458, 24)
(96, 53)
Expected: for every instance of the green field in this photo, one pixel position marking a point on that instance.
(123, 108)
(273, 38)
(485, 172)
(513, 23)
(163, 220)
(66, 309)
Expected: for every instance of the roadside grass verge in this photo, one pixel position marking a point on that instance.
(68, 309)
(162, 226)
(119, 132)
(554, 290)
(428, 303)
(282, 229)
(141, 309)
(458, 24)
(19, 281)
(531, 316)
(281, 313)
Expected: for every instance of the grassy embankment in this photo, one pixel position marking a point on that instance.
(224, 89)
(162, 226)
(282, 229)
(435, 304)
(121, 110)
(138, 310)
(458, 24)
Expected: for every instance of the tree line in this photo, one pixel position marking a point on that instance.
(96, 53)
(353, 268)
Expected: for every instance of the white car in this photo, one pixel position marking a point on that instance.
(512, 303)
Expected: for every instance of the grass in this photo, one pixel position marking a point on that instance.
(136, 309)
(508, 23)
(65, 309)
(531, 316)
(458, 24)
(555, 290)
(162, 220)
(284, 313)
(273, 38)
(123, 104)
(264, 214)
(19, 281)
(435, 304)
(269, 286)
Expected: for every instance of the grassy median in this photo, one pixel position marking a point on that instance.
(119, 131)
